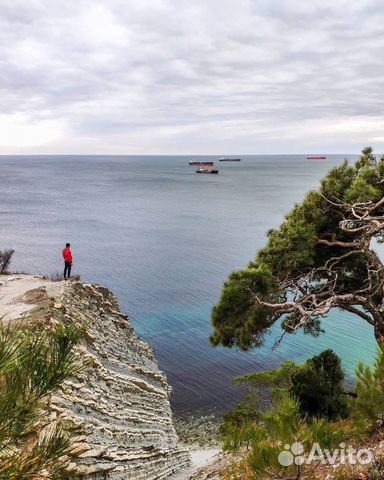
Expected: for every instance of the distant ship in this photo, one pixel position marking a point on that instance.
(316, 157)
(207, 170)
(222, 159)
(198, 163)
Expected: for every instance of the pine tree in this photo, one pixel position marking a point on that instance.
(319, 259)
(318, 386)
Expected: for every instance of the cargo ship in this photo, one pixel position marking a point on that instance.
(316, 157)
(227, 159)
(198, 163)
(207, 170)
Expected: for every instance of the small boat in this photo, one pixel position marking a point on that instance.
(227, 159)
(316, 157)
(207, 170)
(198, 163)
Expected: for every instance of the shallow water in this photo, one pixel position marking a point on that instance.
(164, 239)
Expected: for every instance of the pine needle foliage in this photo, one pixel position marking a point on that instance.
(280, 425)
(277, 410)
(259, 431)
(367, 409)
(319, 387)
(34, 363)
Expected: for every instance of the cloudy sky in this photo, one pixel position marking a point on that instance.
(191, 76)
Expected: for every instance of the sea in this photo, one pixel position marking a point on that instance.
(164, 240)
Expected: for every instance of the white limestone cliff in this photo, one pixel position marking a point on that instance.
(120, 402)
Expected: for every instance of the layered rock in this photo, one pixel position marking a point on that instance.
(120, 402)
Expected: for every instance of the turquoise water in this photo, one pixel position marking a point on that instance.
(164, 239)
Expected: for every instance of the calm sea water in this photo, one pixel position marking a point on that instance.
(164, 239)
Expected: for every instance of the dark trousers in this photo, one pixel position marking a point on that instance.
(67, 269)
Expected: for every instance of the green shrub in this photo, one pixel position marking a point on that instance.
(280, 425)
(367, 408)
(33, 364)
(276, 410)
(318, 386)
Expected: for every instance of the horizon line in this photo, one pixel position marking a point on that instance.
(167, 154)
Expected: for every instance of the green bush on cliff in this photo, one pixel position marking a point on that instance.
(34, 363)
(282, 429)
(264, 429)
(261, 430)
(367, 409)
(318, 386)
(320, 258)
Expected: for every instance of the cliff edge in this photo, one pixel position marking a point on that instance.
(120, 402)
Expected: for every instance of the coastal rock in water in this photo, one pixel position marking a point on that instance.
(120, 402)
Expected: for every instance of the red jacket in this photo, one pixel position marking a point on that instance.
(67, 254)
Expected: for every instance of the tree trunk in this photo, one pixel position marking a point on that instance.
(379, 331)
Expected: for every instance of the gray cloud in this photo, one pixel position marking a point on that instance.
(174, 76)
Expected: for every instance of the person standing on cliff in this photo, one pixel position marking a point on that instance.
(67, 255)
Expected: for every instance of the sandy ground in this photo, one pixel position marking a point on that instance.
(13, 288)
(200, 458)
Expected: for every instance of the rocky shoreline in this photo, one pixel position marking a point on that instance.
(198, 430)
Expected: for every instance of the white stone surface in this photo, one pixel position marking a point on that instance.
(200, 458)
(14, 287)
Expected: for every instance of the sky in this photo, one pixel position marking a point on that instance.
(191, 76)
